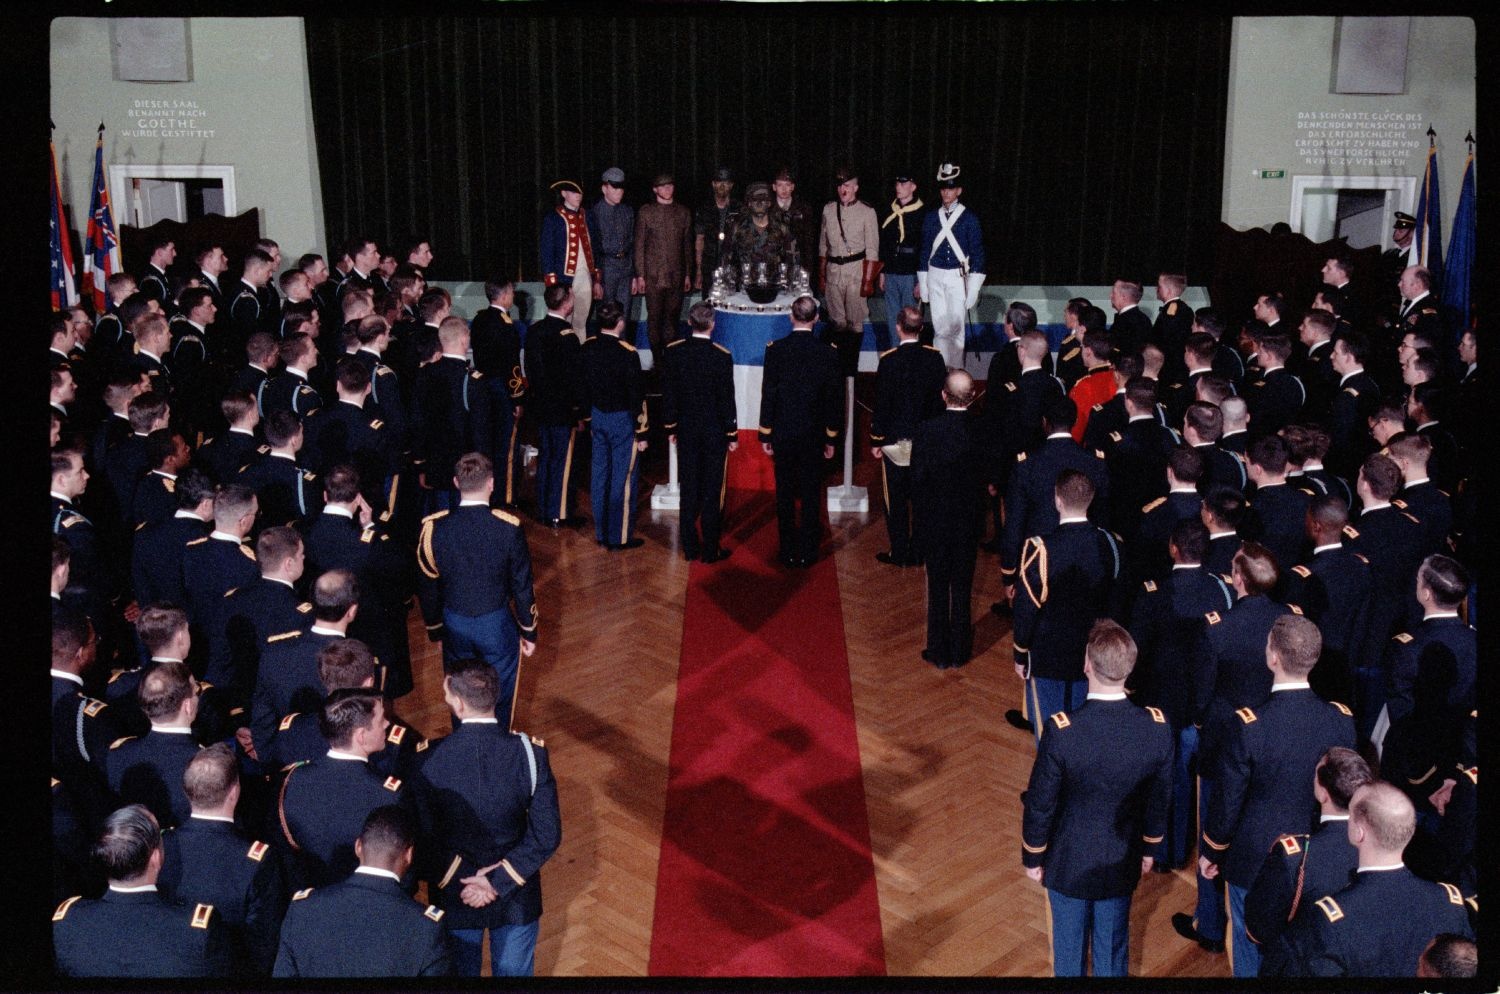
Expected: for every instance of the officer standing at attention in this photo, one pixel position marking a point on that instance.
(487, 803)
(950, 267)
(1266, 757)
(1380, 924)
(475, 582)
(496, 341)
(616, 390)
(1303, 868)
(1096, 810)
(1067, 581)
(148, 770)
(946, 491)
(568, 253)
(611, 224)
(365, 925)
(799, 419)
(703, 422)
(908, 391)
(848, 250)
(132, 931)
(323, 803)
(208, 859)
(554, 399)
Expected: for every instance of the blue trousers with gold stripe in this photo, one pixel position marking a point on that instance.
(553, 470)
(614, 475)
(1079, 925)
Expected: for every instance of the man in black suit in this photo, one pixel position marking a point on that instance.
(487, 805)
(365, 925)
(800, 417)
(1278, 511)
(496, 340)
(1278, 396)
(1355, 400)
(451, 414)
(1096, 809)
(946, 490)
(254, 612)
(1132, 328)
(1013, 409)
(702, 421)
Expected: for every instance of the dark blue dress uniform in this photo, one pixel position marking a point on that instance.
(474, 565)
(124, 464)
(299, 740)
(364, 926)
(138, 934)
(247, 617)
(1375, 927)
(698, 407)
(191, 372)
(348, 433)
(246, 317)
(1131, 330)
(450, 415)
(155, 499)
(1231, 672)
(616, 392)
(222, 456)
(211, 567)
(554, 398)
(1105, 418)
(321, 809)
(1070, 367)
(1265, 761)
(485, 796)
(148, 770)
(1348, 423)
(1392, 540)
(1174, 323)
(337, 541)
(287, 391)
(1433, 508)
(1096, 804)
(87, 572)
(947, 488)
(1328, 483)
(1148, 555)
(1068, 580)
(1446, 464)
(288, 493)
(1030, 508)
(248, 379)
(908, 391)
(1219, 558)
(1137, 459)
(1275, 401)
(1301, 869)
(1167, 622)
(1320, 379)
(82, 729)
(1333, 589)
(1276, 517)
(287, 680)
(800, 413)
(1013, 415)
(212, 862)
(1430, 690)
(496, 343)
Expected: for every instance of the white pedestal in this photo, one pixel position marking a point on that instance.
(668, 496)
(848, 497)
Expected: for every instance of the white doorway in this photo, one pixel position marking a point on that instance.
(144, 195)
(1358, 208)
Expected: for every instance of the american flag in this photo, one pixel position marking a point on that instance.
(64, 291)
(102, 260)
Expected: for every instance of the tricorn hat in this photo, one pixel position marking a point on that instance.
(567, 184)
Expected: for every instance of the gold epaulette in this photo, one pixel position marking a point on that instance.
(287, 721)
(1156, 715)
(434, 516)
(1403, 637)
(1330, 908)
(506, 517)
(883, 354)
(1246, 715)
(302, 894)
(1343, 709)
(721, 348)
(282, 636)
(1150, 586)
(1061, 719)
(249, 552)
(1158, 502)
(1289, 844)
(1302, 571)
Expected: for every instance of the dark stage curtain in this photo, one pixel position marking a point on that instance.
(1091, 143)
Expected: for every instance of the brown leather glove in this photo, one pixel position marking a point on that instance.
(867, 278)
(823, 270)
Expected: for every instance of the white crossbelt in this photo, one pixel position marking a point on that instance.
(947, 221)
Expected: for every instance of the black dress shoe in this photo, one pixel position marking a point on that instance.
(689, 554)
(634, 543)
(993, 546)
(889, 559)
(1183, 923)
(929, 657)
(1018, 720)
(716, 556)
(1001, 609)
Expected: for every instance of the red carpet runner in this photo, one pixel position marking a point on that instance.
(765, 860)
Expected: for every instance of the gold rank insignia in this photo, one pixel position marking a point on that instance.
(309, 475)
(536, 741)
(397, 733)
(62, 909)
(1454, 897)
(201, 914)
(1302, 571)
(392, 784)
(1114, 436)
(435, 914)
(92, 707)
(1398, 503)
(1172, 309)
(120, 741)
(1213, 618)
(1402, 637)
(1158, 502)
(302, 894)
(1150, 586)
(1295, 610)
(1061, 720)
(1156, 715)
(304, 607)
(282, 636)
(287, 721)
(171, 485)
(1246, 715)
(257, 851)
(1343, 709)
(377, 424)
(1330, 908)
(249, 552)
(1290, 845)
(422, 745)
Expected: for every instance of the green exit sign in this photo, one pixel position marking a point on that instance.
(1273, 174)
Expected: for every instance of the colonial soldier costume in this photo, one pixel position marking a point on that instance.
(950, 267)
(568, 252)
(848, 251)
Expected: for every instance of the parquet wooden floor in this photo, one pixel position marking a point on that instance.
(943, 771)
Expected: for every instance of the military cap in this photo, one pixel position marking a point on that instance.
(784, 173)
(1404, 220)
(614, 176)
(567, 184)
(723, 175)
(662, 179)
(844, 174)
(947, 175)
(905, 176)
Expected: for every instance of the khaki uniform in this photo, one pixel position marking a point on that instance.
(850, 238)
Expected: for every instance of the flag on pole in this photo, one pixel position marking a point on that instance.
(1427, 244)
(64, 290)
(102, 260)
(1461, 253)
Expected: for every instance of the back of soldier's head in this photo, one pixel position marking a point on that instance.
(1382, 476)
(1186, 463)
(1449, 956)
(346, 712)
(1060, 414)
(345, 663)
(158, 624)
(281, 428)
(1190, 539)
(1256, 567)
(232, 501)
(210, 776)
(1111, 651)
(388, 832)
(1445, 579)
(1386, 814)
(1074, 491)
(476, 683)
(124, 846)
(1341, 772)
(1296, 642)
(1205, 419)
(334, 593)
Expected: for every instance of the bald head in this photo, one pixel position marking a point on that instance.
(958, 389)
(1385, 818)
